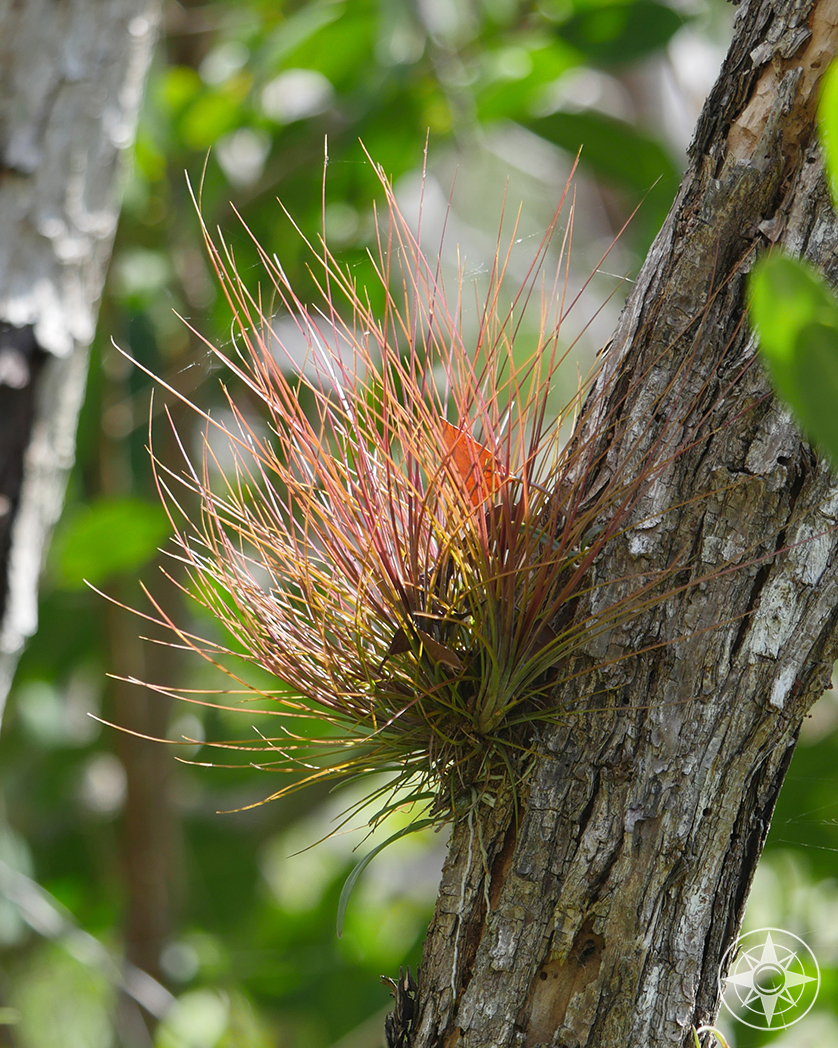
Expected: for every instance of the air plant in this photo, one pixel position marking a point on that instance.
(406, 550)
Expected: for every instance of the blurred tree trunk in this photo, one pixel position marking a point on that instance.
(600, 917)
(71, 81)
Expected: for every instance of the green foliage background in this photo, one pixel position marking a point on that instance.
(106, 845)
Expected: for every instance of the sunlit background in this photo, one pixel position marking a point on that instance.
(109, 849)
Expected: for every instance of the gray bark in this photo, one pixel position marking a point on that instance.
(600, 915)
(71, 81)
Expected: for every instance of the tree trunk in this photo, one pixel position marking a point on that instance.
(71, 80)
(600, 915)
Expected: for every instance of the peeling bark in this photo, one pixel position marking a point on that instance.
(71, 80)
(599, 917)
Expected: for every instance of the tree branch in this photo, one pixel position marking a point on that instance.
(601, 916)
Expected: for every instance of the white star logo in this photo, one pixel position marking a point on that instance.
(770, 986)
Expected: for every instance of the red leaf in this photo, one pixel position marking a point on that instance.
(476, 466)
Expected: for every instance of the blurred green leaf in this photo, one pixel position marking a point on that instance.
(515, 76)
(110, 536)
(61, 1000)
(342, 48)
(178, 86)
(296, 28)
(150, 160)
(617, 33)
(212, 115)
(796, 318)
(619, 152)
(611, 147)
(828, 127)
(198, 1020)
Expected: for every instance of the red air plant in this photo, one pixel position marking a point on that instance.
(406, 550)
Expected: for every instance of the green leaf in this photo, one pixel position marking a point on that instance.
(339, 42)
(351, 880)
(785, 295)
(617, 151)
(617, 33)
(107, 537)
(817, 376)
(209, 117)
(178, 86)
(795, 315)
(828, 127)
(611, 147)
(503, 95)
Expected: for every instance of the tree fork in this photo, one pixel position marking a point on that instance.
(599, 915)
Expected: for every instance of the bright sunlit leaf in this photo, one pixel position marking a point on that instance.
(796, 318)
(828, 126)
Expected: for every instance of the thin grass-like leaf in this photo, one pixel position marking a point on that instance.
(352, 879)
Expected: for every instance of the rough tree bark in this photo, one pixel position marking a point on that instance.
(71, 80)
(599, 918)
